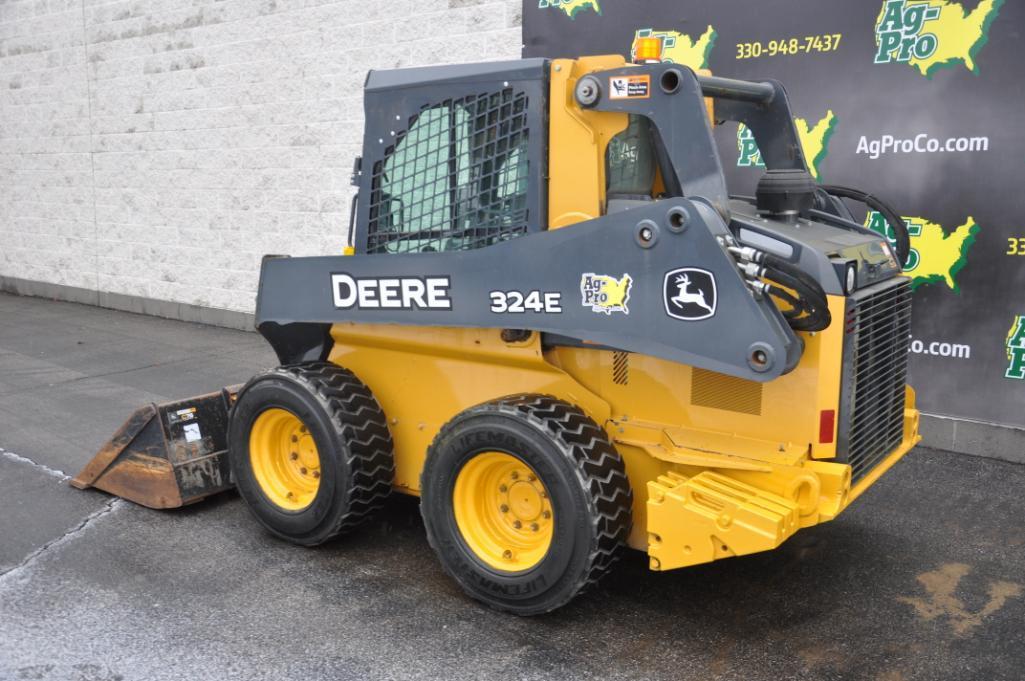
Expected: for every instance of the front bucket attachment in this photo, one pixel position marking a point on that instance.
(167, 455)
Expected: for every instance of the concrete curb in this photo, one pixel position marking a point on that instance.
(184, 312)
(963, 436)
(978, 438)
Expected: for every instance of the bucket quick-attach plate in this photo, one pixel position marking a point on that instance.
(167, 455)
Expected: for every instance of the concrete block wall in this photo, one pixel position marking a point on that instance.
(158, 148)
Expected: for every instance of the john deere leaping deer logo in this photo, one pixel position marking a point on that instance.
(689, 294)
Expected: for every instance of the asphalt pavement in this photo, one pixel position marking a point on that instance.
(921, 579)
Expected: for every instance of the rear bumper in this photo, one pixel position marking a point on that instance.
(719, 514)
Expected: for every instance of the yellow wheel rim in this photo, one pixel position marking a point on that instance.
(284, 458)
(503, 511)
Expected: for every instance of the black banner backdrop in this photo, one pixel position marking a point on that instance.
(919, 101)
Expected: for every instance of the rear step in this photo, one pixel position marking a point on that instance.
(167, 455)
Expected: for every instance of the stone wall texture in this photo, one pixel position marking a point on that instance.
(158, 148)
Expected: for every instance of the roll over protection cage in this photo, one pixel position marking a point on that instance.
(687, 153)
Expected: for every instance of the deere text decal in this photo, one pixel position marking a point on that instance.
(390, 293)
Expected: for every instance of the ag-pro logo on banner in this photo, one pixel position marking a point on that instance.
(1016, 349)
(932, 34)
(936, 254)
(680, 48)
(814, 142)
(571, 7)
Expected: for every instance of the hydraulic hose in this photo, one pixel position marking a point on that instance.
(811, 313)
(777, 263)
(801, 316)
(900, 229)
(809, 309)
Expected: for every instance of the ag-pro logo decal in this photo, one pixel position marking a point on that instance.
(689, 294)
(605, 293)
(932, 34)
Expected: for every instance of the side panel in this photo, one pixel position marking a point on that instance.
(425, 376)
(785, 411)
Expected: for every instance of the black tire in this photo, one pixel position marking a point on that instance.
(586, 482)
(347, 424)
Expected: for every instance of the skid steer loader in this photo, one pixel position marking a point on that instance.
(558, 329)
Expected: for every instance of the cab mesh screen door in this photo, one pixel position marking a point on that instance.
(455, 179)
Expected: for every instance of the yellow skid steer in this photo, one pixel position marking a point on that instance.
(560, 331)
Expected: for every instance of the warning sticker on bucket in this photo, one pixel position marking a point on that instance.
(182, 415)
(629, 87)
(191, 432)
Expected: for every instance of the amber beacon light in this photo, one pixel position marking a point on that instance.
(648, 50)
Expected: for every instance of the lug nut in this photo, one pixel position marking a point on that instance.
(534, 526)
(289, 495)
(293, 456)
(295, 438)
(503, 508)
(316, 474)
(546, 515)
(514, 475)
(517, 524)
(303, 470)
(507, 554)
(531, 478)
(503, 488)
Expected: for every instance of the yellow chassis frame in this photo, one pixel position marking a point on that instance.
(708, 483)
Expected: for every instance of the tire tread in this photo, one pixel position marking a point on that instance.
(600, 469)
(361, 422)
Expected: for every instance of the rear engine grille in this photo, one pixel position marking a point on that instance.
(875, 362)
